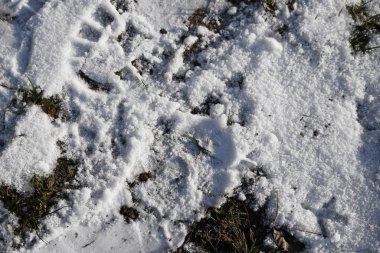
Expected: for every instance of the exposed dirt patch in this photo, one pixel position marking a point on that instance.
(141, 178)
(30, 209)
(270, 6)
(34, 95)
(228, 228)
(93, 84)
(143, 65)
(235, 227)
(205, 107)
(129, 213)
(201, 17)
(124, 5)
(290, 4)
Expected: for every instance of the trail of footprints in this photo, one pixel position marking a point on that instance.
(177, 171)
(93, 30)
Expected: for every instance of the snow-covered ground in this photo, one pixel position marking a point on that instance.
(198, 106)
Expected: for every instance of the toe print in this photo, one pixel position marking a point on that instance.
(104, 17)
(86, 48)
(80, 49)
(90, 33)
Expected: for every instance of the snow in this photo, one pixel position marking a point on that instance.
(32, 151)
(299, 106)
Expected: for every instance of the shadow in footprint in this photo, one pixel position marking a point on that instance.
(4, 234)
(11, 111)
(213, 146)
(325, 213)
(90, 33)
(368, 111)
(103, 17)
(24, 11)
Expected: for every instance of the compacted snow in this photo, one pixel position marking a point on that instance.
(199, 107)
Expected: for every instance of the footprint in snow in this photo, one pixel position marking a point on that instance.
(85, 47)
(328, 213)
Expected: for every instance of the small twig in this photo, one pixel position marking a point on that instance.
(88, 244)
(5, 86)
(229, 118)
(340, 12)
(144, 84)
(30, 81)
(39, 237)
(275, 217)
(309, 232)
(201, 148)
(56, 210)
(373, 48)
(372, 17)
(365, 3)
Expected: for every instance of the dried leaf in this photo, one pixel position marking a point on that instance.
(279, 239)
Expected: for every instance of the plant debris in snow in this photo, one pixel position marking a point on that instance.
(235, 227)
(31, 208)
(366, 27)
(172, 103)
(35, 96)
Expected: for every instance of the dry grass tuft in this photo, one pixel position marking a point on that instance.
(32, 208)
